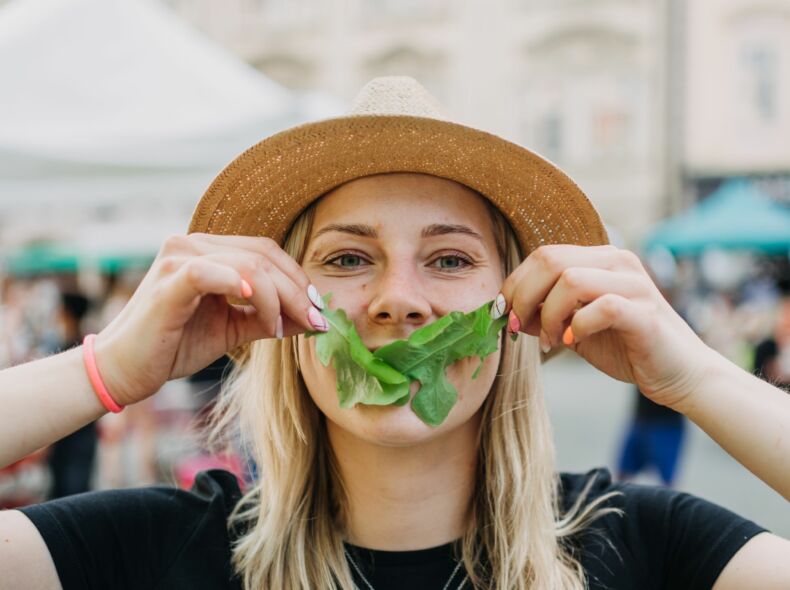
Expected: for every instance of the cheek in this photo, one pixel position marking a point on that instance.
(472, 392)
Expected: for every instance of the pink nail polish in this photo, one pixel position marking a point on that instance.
(317, 320)
(513, 323)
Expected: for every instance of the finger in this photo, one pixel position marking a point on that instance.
(193, 277)
(176, 245)
(609, 312)
(208, 243)
(201, 275)
(578, 286)
(270, 285)
(265, 299)
(530, 283)
(247, 326)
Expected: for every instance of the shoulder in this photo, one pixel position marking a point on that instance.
(593, 484)
(214, 491)
(651, 532)
(144, 535)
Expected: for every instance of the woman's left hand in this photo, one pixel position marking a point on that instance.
(619, 321)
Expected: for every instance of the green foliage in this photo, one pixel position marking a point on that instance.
(361, 377)
(383, 377)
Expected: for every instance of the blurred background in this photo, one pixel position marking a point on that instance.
(673, 117)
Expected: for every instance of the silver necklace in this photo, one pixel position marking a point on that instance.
(370, 586)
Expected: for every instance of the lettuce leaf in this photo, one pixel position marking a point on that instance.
(361, 378)
(383, 377)
(429, 350)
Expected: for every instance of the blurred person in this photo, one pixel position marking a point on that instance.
(782, 337)
(127, 454)
(371, 496)
(721, 330)
(655, 432)
(653, 440)
(71, 459)
(772, 354)
(766, 361)
(17, 334)
(207, 382)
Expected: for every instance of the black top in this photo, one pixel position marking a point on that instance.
(165, 538)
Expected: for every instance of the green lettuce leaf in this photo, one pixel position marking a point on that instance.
(361, 377)
(429, 350)
(383, 377)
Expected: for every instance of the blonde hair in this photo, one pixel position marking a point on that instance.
(290, 524)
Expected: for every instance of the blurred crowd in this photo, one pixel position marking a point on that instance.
(157, 440)
(153, 441)
(739, 304)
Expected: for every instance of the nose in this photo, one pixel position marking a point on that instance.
(398, 296)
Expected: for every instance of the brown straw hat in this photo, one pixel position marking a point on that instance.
(394, 126)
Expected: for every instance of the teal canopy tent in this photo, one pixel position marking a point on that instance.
(737, 216)
(41, 258)
(57, 258)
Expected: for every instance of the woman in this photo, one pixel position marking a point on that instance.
(403, 217)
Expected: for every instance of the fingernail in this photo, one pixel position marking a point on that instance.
(567, 336)
(545, 343)
(246, 290)
(513, 323)
(317, 320)
(278, 331)
(315, 298)
(498, 307)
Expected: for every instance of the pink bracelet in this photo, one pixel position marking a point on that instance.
(93, 375)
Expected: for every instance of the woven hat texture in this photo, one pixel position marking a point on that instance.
(394, 125)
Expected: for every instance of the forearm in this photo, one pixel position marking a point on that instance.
(43, 401)
(749, 418)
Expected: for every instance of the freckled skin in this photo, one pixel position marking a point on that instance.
(400, 288)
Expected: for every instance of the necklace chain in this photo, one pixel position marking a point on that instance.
(370, 586)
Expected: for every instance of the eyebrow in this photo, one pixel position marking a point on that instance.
(367, 231)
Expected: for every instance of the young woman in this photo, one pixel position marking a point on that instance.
(403, 217)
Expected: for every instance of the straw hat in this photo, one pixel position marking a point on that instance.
(394, 126)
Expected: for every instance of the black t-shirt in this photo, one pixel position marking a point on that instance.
(165, 538)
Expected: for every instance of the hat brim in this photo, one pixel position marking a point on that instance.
(264, 189)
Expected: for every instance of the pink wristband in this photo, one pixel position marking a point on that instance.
(93, 375)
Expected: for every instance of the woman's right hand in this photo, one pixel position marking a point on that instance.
(179, 320)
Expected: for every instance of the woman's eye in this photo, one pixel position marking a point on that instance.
(452, 262)
(346, 261)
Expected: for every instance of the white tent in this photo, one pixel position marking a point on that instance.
(119, 104)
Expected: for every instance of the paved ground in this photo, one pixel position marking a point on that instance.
(590, 411)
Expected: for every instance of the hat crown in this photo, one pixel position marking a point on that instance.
(396, 95)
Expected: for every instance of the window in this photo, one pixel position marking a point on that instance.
(548, 135)
(759, 69)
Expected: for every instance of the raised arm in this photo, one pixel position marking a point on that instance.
(177, 322)
(600, 302)
(748, 417)
(43, 401)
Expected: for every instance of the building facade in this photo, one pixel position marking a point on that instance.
(580, 82)
(737, 95)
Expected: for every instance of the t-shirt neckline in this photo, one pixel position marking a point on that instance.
(399, 558)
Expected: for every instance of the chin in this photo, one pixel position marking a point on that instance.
(390, 426)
